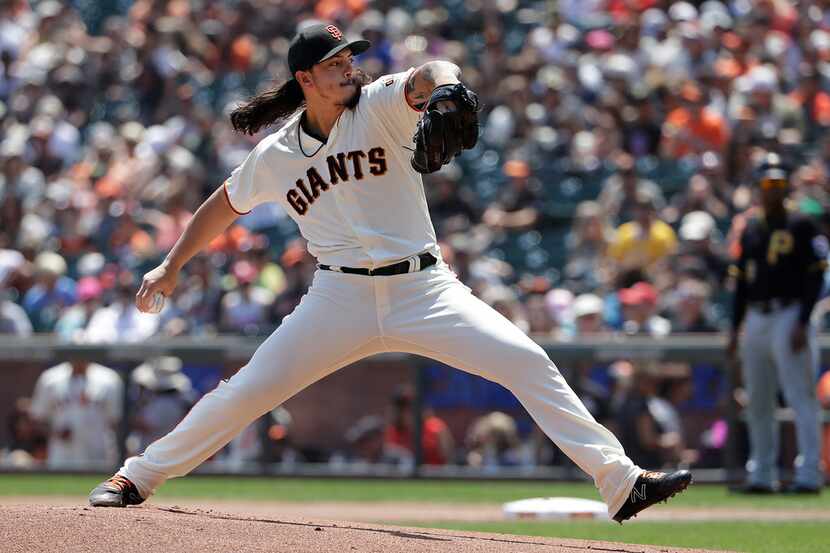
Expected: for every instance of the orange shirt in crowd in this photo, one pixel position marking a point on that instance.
(433, 428)
(820, 110)
(710, 129)
(823, 394)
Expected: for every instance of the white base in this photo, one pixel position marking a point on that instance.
(555, 508)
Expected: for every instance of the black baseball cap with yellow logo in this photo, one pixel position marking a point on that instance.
(318, 42)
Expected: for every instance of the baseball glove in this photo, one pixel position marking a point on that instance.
(441, 136)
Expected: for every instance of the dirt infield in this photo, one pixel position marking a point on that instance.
(403, 512)
(70, 529)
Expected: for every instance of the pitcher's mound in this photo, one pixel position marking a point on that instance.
(47, 529)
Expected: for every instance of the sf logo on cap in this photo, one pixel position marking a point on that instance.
(335, 32)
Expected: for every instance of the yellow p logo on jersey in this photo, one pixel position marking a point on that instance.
(781, 242)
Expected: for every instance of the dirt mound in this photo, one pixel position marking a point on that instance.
(45, 528)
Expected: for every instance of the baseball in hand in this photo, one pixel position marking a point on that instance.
(158, 303)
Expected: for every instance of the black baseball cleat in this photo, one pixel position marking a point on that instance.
(650, 488)
(118, 491)
(754, 489)
(801, 489)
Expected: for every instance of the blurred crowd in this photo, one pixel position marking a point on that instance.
(618, 144)
(608, 189)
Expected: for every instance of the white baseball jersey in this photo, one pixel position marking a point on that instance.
(81, 411)
(355, 198)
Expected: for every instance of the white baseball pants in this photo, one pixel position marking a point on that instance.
(768, 361)
(346, 317)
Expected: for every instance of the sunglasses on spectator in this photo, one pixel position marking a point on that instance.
(769, 184)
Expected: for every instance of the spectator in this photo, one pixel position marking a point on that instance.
(639, 307)
(164, 396)
(504, 300)
(692, 310)
(823, 393)
(699, 196)
(588, 315)
(693, 128)
(517, 206)
(697, 241)
(539, 318)
(270, 275)
(74, 320)
(465, 254)
(121, 321)
(80, 404)
(587, 245)
(773, 111)
(438, 444)
(19, 182)
(13, 319)
(266, 440)
(52, 292)
(367, 447)
(493, 441)
(648, 428)
(676, 389)
(711, 167)
(619, 196)
(641, 130)
(450, 202)
(813, 101)
(245, 310)
(646, 241)
(27, 444)
(299, 266)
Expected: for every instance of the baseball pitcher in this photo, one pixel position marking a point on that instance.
(346, 165)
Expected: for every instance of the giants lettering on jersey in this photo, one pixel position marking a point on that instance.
(340, 168)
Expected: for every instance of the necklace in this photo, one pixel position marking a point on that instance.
(300, 139)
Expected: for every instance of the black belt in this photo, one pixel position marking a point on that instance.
(409, 265)
(770, 305)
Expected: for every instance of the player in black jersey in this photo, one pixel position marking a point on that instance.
(779, 278)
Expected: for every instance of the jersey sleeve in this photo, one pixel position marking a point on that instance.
(247, 187)
(386, 97)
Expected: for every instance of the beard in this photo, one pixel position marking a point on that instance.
(359, 79)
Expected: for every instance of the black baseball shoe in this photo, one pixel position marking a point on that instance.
(801, 489)
(755, 489)
(118, 491)
(650, 488)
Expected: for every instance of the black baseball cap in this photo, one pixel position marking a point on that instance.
(319, 42)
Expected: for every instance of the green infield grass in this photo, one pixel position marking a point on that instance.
(754, 537)
(317, 489)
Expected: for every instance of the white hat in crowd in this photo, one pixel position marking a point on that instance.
(587, 304)
(161, 374)
(696, 225)
(51, 263)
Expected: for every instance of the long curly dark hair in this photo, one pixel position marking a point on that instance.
(280, 103)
